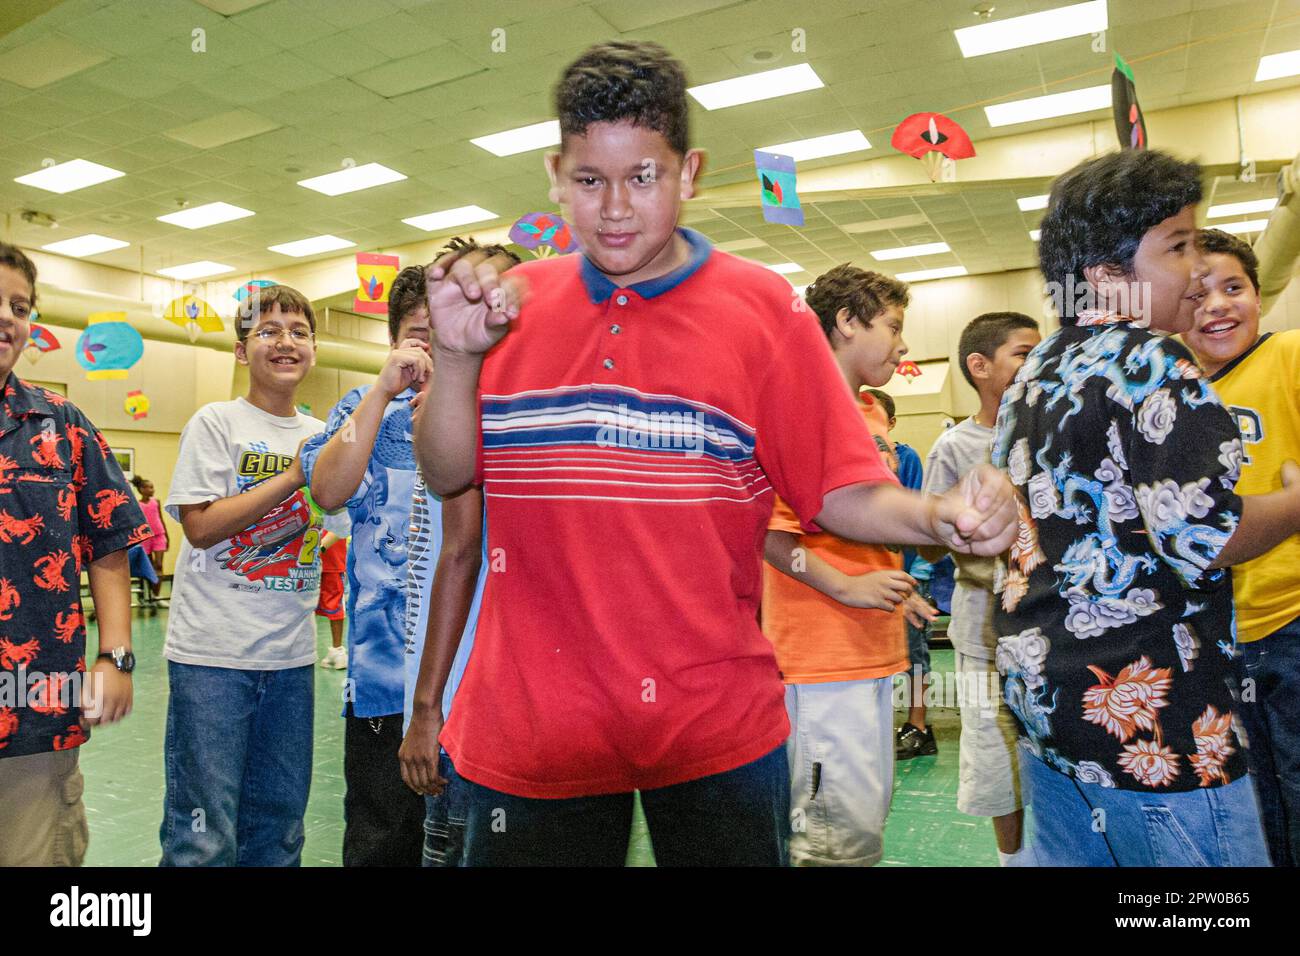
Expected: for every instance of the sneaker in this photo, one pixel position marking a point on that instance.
(336, 659)
(161, 602)
(914, 742)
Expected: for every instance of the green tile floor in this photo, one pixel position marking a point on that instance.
(124, 780)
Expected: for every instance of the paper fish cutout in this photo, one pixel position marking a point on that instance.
(137, 404)
(543, 233)
(1130, 124)
(908, 369)
(776, 181)
(39, 341)
(109, 346)
(932, 138)
(193, 315)
(251, 286)
(375, 275)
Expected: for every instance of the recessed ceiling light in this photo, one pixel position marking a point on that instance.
(66, 177)
(756, 86)
(448, 218)
(1030, 203)
(850, 141)
(1250, 225)
(1241, 208)
(311, 246)
(195, 270)
(522, 139)
(947, 272)
(1046, 107)
(206, 215)
(1034, 234)
(353, 178)
(785, 268)
(1058, 24)
(91, 244)
(1277, 65)
(907, 252)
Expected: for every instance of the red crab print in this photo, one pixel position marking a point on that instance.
(75, 737)
(10, 598)
(8, 724)
(12, 529)
(16, 656)
(67, 623)
(106, 502)
(51, 575)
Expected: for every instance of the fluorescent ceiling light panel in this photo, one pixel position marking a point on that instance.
(91, 244)
(1046, 107)
(1030, 203)
(756, 86)
(947, 272)
(1241, 208)
(66, 177)
(785, 268)
(1034, 234)
(907, 252)
(818, 147)
(1277, 65)
(448, 218)
(1250, 225)
(311, 246)
(1059, 24)
(352, 179)
(195, 270)
(521, 140)
(206, 215)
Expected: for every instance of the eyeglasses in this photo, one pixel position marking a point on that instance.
(297, 336)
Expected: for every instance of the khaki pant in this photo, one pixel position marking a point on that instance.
(42, 818)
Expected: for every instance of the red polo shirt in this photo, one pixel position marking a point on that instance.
(631, 443)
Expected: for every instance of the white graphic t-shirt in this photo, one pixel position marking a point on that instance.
(247, 601)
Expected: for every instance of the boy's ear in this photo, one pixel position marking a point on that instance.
(978, 365)
(692, 168)
(844, 323)
(557, 194)
(1107, 279)
(241, 352)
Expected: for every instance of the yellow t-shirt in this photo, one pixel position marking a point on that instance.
(1261, 388)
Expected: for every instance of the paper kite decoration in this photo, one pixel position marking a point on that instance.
(109, 346)
(193, 315)
(777, 188)
(908, 369)
(544, 233)
(39, 341)
(137, 404)
(932, 138)
(1130, 124)
(375, 275)
(251, 286)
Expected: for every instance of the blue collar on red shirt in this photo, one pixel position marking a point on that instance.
(600, 288)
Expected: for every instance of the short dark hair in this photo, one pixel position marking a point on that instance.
(865, 294)
(885, 399)
(1100, 210)
(987, 333)
(265, 300)
(625, 81)
(1218, 241)
(140, 481)
(15, 258)
(406, 295)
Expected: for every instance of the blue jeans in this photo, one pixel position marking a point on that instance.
(1272, 722)
(1085, 824)
(238, 765)
(737, 818)
(444, 819)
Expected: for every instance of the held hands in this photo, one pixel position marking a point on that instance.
(978, 515)
(107, 696)
(418, 755)
(407, 366)
(471, 300)
(879, 590)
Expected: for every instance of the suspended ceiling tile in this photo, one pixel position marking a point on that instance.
(47, 59)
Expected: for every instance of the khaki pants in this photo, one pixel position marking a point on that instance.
(42, 818)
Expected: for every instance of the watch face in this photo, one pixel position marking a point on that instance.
(127, 662)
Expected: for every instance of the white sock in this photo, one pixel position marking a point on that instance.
(1020, 858)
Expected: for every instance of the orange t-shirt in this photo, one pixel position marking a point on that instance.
(818, 639)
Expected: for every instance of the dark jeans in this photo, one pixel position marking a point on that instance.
(444, 819)
(737, 818)
(1272, 722)
(383, 818)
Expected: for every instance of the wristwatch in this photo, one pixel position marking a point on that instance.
(122, 659)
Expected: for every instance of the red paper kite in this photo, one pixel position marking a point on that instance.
(908, 369)
(931, 138)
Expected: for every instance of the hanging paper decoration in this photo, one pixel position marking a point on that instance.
(375, 275)
(193, 315)
(108, 346)
(39, 341)
(908, 369)
(777, 184)
(251, 286)
(1130, 124)
(932, 138)
(137, 404)
(544, 234)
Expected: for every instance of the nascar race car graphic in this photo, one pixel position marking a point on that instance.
(286, 538)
